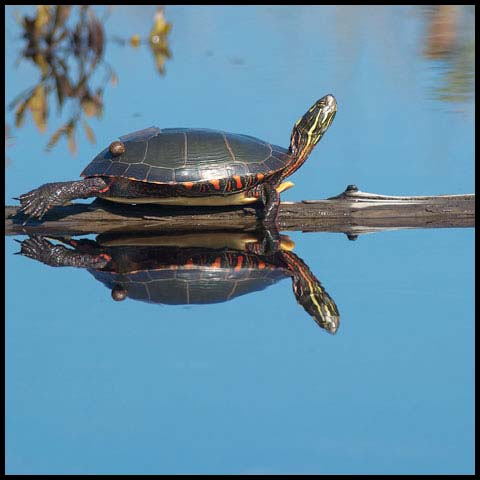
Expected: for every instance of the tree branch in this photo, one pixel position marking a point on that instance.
(352, 212)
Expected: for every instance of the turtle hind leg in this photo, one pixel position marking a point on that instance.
(37, 202)
(271, 202)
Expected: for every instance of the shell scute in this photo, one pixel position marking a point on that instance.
(117, 169)
(188, 155)
(137, 171)
(164, 175)
(140, 135)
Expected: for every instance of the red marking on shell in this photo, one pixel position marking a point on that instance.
(188, 185)
(217, 263)
(239, 264)
(238, 181)
(216, 184)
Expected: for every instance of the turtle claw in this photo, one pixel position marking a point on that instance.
(35, 247)
(37, 202)
(39, 248)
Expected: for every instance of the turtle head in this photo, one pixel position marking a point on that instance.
(309, 129)
(311, 295)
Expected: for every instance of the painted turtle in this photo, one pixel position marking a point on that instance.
(196, 268)
(191, 167)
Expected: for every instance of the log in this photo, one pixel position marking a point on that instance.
(353, 212)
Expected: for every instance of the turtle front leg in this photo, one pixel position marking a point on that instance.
(37, 202)
(271, 201)
(38, 248)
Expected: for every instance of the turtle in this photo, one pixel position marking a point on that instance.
(188, 268)
(190, 167)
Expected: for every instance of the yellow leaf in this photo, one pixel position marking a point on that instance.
(42, 63)
(20, 114)
(89, 107)
(135, 40)
(160, 26)
(38, 107)
(55, 138)
(72, 145)
(43, 17)
(89, 132)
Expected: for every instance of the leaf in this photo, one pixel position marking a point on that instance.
(89, 132)
(72, 145)
(89, 106)
(62, 87)
(96, 36)
(61, 14)
(43, 18)
(81, 85)
(42, 63)
(135, 40)
(160, 26)
(55, 138)
(38, 107)
(59, 89)
(20, 113)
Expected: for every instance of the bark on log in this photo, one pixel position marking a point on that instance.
(352, 212)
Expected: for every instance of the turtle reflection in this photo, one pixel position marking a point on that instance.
(189, 268)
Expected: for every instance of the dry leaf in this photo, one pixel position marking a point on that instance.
(61, 14)
(20, 113)
(42, 63)
(72, 145)
(43, 18)
(135, 40)
(89, 132)
(55, 137)
(38, 106)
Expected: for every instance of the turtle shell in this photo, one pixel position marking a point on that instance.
(177, 155)
(194, 277)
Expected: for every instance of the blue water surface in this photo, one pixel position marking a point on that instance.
(253, 385)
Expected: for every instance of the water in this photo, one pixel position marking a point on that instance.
(253, 385)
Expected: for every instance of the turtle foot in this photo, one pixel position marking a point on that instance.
(269, 242)
(38, 248)
(38, 201)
